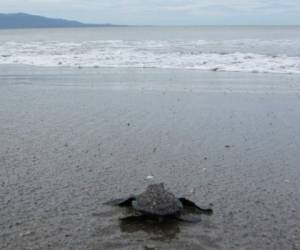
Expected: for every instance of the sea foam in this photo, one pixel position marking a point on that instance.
(233, 55)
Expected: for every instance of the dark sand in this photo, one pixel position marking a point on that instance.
(72, 139)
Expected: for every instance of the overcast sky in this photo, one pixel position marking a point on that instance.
(163, 12)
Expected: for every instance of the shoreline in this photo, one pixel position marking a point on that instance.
(146, 79)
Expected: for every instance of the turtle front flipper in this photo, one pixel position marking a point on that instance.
(189, 204)
(190, 218)
(120, 202)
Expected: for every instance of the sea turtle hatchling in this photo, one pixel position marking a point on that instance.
(158, 203)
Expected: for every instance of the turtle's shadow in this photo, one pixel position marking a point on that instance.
(163, 231)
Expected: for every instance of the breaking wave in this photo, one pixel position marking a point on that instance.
(202, 55)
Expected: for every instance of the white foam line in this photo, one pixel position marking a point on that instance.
(150, 54)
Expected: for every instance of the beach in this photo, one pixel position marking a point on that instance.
(73, 138)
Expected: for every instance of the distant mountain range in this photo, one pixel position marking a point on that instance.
(23, 20)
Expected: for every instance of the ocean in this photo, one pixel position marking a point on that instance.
(263, 49)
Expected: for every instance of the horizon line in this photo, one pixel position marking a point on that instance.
(145, 25)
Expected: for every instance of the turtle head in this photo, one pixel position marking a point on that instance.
(156, 187)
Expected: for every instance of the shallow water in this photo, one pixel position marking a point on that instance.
(73, 139)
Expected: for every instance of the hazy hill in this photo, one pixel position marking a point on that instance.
(22, 20)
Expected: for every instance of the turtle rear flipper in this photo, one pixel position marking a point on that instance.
(189, 204)
(120, 202)
(190, 218)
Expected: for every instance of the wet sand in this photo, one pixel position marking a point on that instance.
(72, 139)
